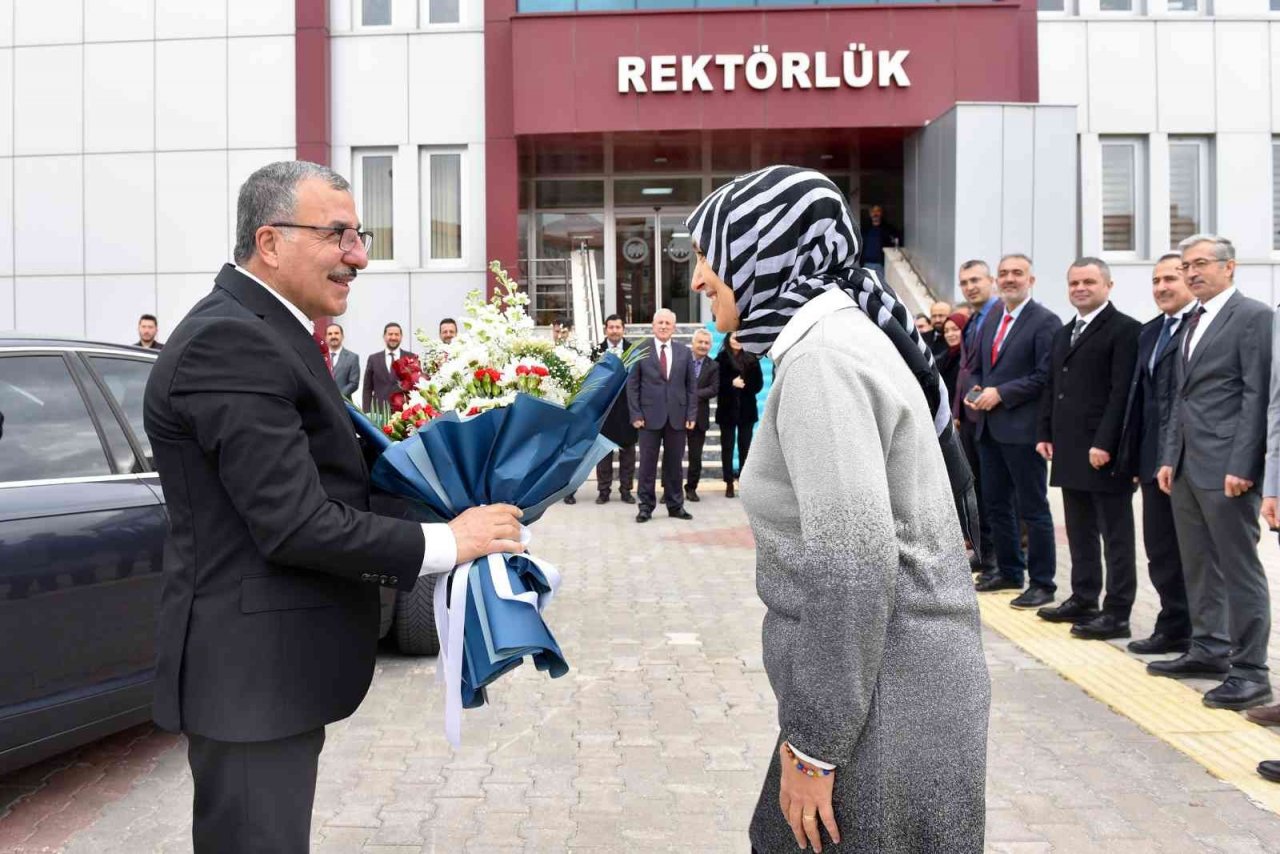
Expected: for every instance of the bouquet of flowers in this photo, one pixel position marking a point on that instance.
(495, 416)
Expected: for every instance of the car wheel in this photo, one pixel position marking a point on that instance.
(415, 623)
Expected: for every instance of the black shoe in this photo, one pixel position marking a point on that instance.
(986, 584)
(644, 516)
(627, 497)
(1186, 667)
(691, 495)
(1070, 611)
(1270, 770)
(602, 498)
(1237, 694)
(1102, 627)
(569, 499)
(1032, 597)
(1159, 644)
(680, 514)
(728, 490)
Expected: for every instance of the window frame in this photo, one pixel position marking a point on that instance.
(1204, 215)
(1141, 200)
(429, 261)
(122, 417)
(358, 156)
(357, 16)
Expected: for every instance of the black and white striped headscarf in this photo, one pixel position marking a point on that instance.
(782, 236)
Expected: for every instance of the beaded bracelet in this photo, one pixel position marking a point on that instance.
(802, 766)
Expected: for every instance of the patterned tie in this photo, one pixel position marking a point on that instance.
(1192, 323)
(662, 360)
(328, 360)
(995, 345)
(1075, 333)
(1166, 333)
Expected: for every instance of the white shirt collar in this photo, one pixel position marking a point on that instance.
(657, 343)
(334, 354)
(807, 317)
(1215, 304)
(1088, 318)
(293, 309)
(1004, 309)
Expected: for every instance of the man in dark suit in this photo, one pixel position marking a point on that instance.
(1081, 417)
(979, 290)
(1008, 378)
(268, 621)
(1150, 400)
(379, 381)
(1213, 461)
(706, 377)
(663, 402)
(617, 424)
(344, 363)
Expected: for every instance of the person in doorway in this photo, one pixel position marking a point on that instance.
(876, 238)
(706, 375)
(148, 326)
(741, 380)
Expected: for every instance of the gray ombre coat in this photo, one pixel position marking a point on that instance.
(872, 640)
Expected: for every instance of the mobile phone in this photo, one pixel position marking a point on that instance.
(973, 395)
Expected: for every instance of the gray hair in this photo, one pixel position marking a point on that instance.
(702, 330)
(664, 312)
(1030, 264)
(1090, 261)
(1223, 249)
(268, 196)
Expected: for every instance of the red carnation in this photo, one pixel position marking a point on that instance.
(540, 371)
(388, 429)
(522, 370)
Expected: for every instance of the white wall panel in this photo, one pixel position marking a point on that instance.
(1054, 209)
(340, 16)
(261, 105)
(1122, 78)
(6, 303)
(175, 294)
(6, 99)
(191, 211)
(49, 305)
(370, 94)
(1243, 201)
(440, 295)
(1254, 280)
(47, 105)
(191, 95)
(1184, 76)
(1017, 225)
(376, 300)
(1131, 292)
(185, 19)
(260, 17)
(240, 165)
(1243, 53)
(46, 21)
(48, 215)
(113, 305)
(979, 186)
(119, 20)
(120, 97)
(453, 112)
(1275, 77)
(6, 218)
(1090, 153)
(1063, 49)
(6, 30)
(120, 210)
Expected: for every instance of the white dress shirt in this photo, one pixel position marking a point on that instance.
(610, 347)
(1212, 309)
(657, 350)
(1087, 318)
(392, 355)
(333, 356)
(1014, 314)
(441, 549)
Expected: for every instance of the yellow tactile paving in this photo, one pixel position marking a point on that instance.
(1225, 743)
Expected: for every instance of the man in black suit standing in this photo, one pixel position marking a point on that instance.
(617, 424)
(1150, 400)
(268, 622)
(706, 377)
(663, 402)
(979, 291)
(379, 381)
(345, 364)
(1008, 378)
(1081, 417)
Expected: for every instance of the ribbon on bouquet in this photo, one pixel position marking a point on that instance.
(455, 603)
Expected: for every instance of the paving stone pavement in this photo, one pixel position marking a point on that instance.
(657, 739)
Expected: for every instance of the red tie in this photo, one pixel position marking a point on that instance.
(328, 360)
(662, 360)
(995, 345)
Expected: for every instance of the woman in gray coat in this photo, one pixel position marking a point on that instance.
(871, 638)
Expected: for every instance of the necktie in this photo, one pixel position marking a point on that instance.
(1166, 333)
(697, 368)
(1075, 333)
(1192, 322)
(995, 345)
(662, 360)
(391, 357)
(328, 360)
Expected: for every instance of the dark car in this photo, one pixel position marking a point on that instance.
(82, 530)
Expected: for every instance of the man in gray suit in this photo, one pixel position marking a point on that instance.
(662, 396)
(344, 363)
(1212, 466)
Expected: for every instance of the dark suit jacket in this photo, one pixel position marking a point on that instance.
(1083, 403)
(1019, 374)
(379, 383)
(738, 405)
(617, 424)
(655, 399)
(346, 373)
(269, 617)
(706, 387)
(1149, 402)
(1218, 423)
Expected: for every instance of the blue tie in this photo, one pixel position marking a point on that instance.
(1163, 341)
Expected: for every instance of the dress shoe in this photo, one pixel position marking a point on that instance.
(602, 498)
(1270, 770)
(680, 514)
(986, 584)
(1187, 667)
(627, 497)
(569, 499)
(1237, 694)
(644, 516)
(728, 490)
(1071, 611)
(1159, 644)
(1032, 597)
(691, 495)
(1102, 627)
(1265, 715)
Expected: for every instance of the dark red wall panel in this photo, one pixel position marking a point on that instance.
(312, 90)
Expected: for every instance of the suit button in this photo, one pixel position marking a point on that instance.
(382, 579)
(1061, 396)
(395, 580)
(1066, 368)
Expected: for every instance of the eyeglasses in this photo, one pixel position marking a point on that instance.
(1199, 265)
(347, 237)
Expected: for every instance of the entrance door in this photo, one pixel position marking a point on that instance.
(654, 267)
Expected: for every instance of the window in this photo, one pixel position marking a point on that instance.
(1188, 188)
(1051, 5)
(442, 12)
(1115, 5)
(375, 13)
(126, 380)
(1184, 5)
(1122, 192)
(374, 171)
(443, 194)
(1275, 192)
(46, 432)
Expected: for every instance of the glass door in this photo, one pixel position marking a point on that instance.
(654, 267)
(676, 249)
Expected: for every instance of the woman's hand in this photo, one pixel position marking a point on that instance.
(805, 801)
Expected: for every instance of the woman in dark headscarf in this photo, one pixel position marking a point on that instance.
(871, 636)
(740, 381)
(949, 361)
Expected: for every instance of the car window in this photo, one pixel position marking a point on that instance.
(127, 381)
(45, 429)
